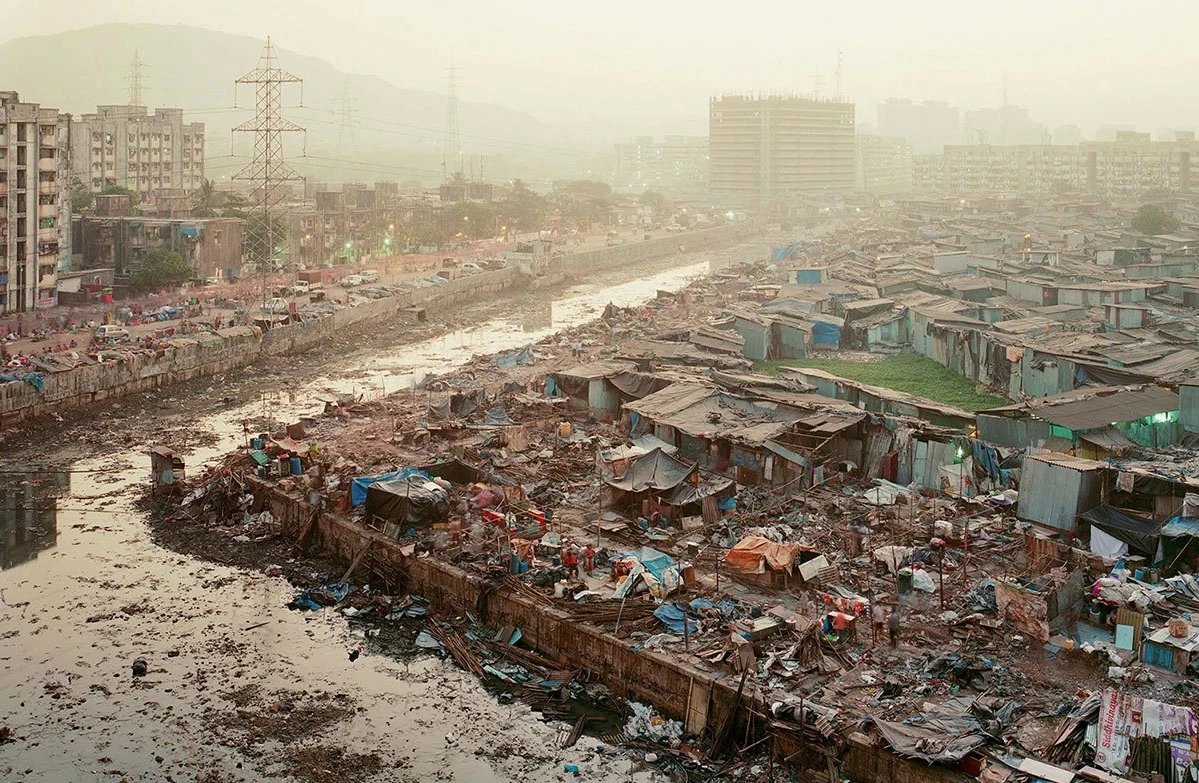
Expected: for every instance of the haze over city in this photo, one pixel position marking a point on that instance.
(623, 392)
(1068, 61)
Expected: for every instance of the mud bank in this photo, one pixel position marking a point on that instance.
(85, 592)
(238, 346)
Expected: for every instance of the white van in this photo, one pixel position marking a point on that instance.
(369, 275)
(111, 333)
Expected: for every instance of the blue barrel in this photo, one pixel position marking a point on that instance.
(296, 467)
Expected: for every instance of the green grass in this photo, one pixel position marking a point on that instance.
(906, 373)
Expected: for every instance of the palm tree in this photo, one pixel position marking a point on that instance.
(203, 199)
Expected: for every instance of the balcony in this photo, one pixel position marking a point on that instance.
(47, 188)
(47, 164)
(47, 210)
(47, 248)
(47, 235)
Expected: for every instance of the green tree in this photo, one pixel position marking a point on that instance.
(161, 268)
(236, 205)
(118, 190)
(522, 209)
(81, 197)
(654, 199)
(204, 199)
(1153, 219)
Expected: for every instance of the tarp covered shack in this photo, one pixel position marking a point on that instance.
(412, 500)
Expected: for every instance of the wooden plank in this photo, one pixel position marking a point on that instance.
(698, 697)
(357, 560)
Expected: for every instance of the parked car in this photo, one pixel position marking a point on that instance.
(275, 306)
(300, 286)
(349, 281)
(369, 275)
(470, 268)
(112, 333)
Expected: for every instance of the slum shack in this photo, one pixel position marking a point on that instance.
(166, 468)
(1055, 488)
(759, 561)
(1043, 604)
(1173, 647)
(658, 485)
(409, 501)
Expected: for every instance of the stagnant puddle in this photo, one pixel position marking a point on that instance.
(237, 686)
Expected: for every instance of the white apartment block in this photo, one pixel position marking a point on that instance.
(129, 147)
(34, 204)
(1130, 168)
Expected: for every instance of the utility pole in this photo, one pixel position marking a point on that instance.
(268, 171)
(135, 79)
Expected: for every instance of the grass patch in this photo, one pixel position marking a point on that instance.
(906, 373)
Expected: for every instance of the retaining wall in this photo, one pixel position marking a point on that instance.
(204, 355)
(702, 699)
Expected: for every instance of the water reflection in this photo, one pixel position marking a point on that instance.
(29, 514)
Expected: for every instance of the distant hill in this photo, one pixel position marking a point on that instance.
(195, 69)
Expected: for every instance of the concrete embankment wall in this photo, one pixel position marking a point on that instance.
(702, 699)
(231, 348)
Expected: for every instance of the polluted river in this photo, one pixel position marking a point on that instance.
(85, 594)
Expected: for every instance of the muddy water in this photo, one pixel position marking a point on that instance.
(84, 593)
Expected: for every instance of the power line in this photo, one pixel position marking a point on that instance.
(267, 171)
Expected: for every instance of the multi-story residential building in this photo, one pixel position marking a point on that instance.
(769, 152)
(884, 165)
(1128, 169)
(129, 147)
(676, 165)
(115, 238)
(34, 208)
(927, 126)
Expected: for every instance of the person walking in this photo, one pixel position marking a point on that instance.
(878, 618)
(893, 626)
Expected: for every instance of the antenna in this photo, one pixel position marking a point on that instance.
(267, 171)
(135, 79)
(837, 78)
(452, 154)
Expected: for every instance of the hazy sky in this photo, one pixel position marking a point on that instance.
(1068, 61)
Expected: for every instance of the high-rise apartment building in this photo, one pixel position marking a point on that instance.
(129, 147)
(765, 152)
(927, 126)
(884, 165)
(676, 165)
(34, 207)
(1129, 169)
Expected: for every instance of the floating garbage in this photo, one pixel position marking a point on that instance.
(646, 723)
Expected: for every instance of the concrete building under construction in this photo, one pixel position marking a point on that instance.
(766, 152)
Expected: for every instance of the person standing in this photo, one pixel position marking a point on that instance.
(878, 617)
(893, 626)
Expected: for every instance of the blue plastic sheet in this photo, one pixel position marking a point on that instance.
(34, 379)
(360, 484)
(673, 618)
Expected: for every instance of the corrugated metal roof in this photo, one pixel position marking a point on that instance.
(1096, 407)
(1067, 460)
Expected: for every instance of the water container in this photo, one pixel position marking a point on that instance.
(564, 429)
(559, 589)
(296, 467)
(905, 581)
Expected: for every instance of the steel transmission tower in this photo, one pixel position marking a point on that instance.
(345, 139)
(452, 154)
(267, 171)
(135, 79)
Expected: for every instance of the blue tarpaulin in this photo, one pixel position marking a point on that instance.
(360, 484)
(34, 379)
(654, 561)
(826, 332)
(506, 360)
(784, 253)
(673, 618)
